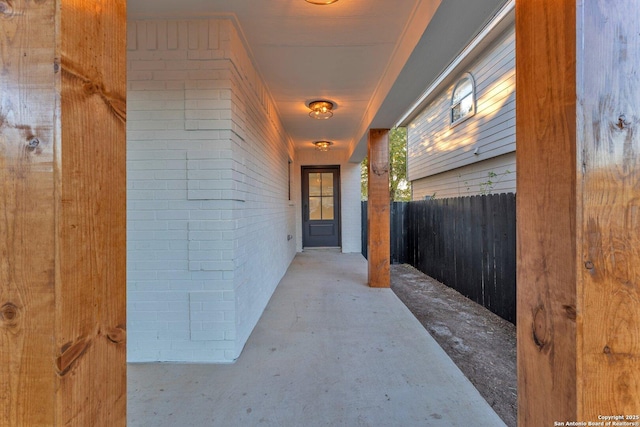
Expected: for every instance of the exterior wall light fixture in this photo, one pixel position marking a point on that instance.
(322, 145)
(321, 110)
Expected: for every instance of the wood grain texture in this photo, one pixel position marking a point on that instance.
(62, 213)
(546, 211)
(609, 129)
(91, 233)
(578, 210)
(378, 210)
(27, 239)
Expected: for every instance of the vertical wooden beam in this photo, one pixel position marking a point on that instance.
(62, 213)
(546, 211)
(578, 168)
(609, 245)
(27, 226)
(378, 221)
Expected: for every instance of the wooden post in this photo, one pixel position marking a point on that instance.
(62, 213)
(578, 208)
(378, 221)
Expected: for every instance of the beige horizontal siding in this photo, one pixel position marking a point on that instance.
(435, 147)
(470, 180)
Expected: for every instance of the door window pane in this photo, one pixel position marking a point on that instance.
(315, 184)
(327, 184)
(327, 208)
(321, 206)
(315, 208)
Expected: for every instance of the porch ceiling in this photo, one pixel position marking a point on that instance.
(351, 52)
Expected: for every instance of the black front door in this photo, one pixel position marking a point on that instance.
(321, 206)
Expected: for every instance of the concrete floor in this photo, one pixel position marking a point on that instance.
(328, 351)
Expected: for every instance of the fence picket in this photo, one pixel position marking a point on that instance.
(467, 243)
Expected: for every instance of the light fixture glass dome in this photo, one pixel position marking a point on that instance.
(321, 2)
(321, 110)
(322, 145)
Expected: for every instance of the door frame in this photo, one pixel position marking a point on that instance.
(337, 199)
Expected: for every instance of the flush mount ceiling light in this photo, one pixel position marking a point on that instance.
(321, 110)
(322, 145)
(321, 2)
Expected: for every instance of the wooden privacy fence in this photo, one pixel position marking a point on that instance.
(467, 243)
(398, 232)
(364, 212)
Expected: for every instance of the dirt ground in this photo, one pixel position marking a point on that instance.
(482, 344)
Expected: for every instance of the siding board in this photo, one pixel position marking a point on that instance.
(503, 143)
(484, 134)
(436, 148)
(467, 180)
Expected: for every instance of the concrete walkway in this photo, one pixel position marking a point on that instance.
(328, 351)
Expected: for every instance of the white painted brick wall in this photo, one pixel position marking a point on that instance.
(208, 207)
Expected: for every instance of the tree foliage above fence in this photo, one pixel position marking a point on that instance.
(399, 187)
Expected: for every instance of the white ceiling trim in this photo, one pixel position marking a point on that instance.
(139, 16)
